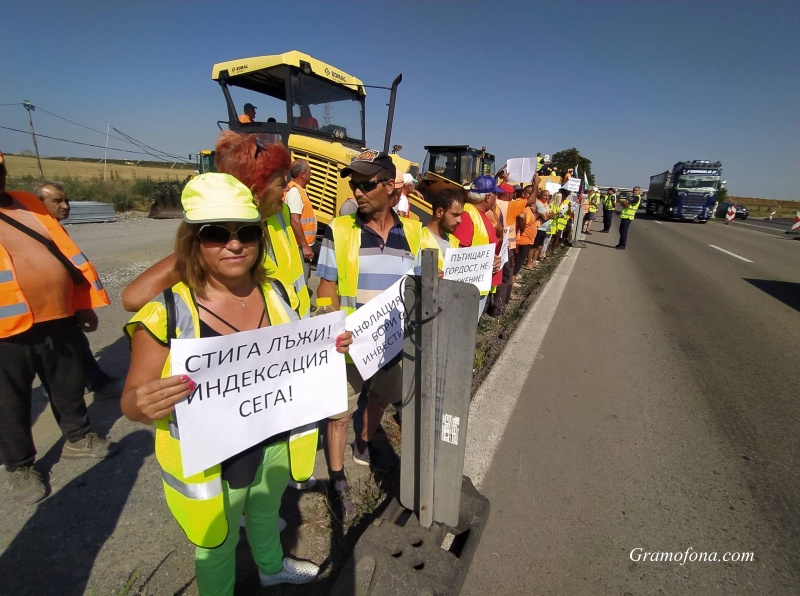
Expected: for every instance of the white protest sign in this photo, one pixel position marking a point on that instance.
(521, 169)
(472, 265)
(255, 384)
(552, 187)
(573, 184)
(504, 247)
(377, 329)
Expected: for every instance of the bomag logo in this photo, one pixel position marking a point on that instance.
(335, 75)
(240, 68)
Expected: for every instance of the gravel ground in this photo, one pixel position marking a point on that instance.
(105, 528)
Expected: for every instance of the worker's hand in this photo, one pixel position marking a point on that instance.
(308, 254)
(416, 194)
(87, 320)
(157, 399)
(496, 265)
(343, 342)
(440, 274)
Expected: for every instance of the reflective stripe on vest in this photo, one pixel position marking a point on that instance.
(428, 240)
(629, 212)
(608, 201)
(15, 312)
(308, 221)
(196, 502)
(283, 260)
(594, 199)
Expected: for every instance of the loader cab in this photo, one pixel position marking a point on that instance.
(315, 109)
(453, 166)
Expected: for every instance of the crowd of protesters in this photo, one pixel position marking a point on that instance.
(242, 261)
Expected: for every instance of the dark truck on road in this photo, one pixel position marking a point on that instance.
(688, 192)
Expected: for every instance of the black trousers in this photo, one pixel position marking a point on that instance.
(608, 217)
(53, 350)
(501, 296)
(624, 224)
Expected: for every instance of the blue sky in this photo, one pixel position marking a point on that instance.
(635, 86)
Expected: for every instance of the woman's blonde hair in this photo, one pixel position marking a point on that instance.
(189, 264)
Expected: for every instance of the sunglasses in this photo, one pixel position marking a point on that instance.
(214, 234)
(367, 186)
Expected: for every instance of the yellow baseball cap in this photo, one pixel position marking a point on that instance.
(217, 197)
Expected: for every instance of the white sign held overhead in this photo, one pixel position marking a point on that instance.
(472, 265)
(573, 184)
(521, 169)
(256, 384)
(552, 187)
(377, 329)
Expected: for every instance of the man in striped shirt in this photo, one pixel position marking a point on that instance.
(384, 256)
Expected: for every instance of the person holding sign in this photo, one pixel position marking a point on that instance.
(361, 256)
(477, 229)
(447, 207)
(223, 289)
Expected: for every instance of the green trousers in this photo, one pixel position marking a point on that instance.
(215, 568)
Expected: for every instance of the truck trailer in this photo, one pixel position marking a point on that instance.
(688, 191)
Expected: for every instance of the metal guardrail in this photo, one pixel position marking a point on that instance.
(90, 212)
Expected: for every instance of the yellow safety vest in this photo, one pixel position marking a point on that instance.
(563, 217)
(283, 260)
(196, 502)
(609, 201)
(15, 312)
(480, 235)
(629, 212)
(429, 241)
(594, 199)
(308, 221)
(347, 242)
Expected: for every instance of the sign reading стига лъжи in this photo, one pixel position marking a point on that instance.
(472, 265)
(255, 384)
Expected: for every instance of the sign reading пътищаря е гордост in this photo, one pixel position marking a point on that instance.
(255, 384)
(472, 265)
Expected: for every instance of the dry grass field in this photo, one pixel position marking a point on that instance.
(19, 166)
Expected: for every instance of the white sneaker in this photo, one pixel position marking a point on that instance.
(293, 572)
(308, 484)
(281, 523)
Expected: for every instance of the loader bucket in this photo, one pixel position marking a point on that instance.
(166, 200)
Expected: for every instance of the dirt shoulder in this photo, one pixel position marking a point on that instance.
(105, 528)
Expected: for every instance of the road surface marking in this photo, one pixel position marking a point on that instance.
(733, 254)
(497, 396)
(741, 223)
(658, 222)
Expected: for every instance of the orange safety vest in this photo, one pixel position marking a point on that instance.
(15, 312)
(308, 220)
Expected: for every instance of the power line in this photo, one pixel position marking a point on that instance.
(85, 144)
(41, 109)
(143, 146)
(2, 105)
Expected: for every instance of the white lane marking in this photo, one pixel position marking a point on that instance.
(733, 254)
(741, 223)
(661, 223)
(497, 396)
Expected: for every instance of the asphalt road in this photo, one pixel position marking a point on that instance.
(660, 412)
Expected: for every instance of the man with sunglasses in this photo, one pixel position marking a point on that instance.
(361, 256)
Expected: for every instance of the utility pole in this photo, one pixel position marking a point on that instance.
(105, 156)
(30, 107)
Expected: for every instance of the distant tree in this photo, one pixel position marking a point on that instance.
(722, 195)
(569, 158)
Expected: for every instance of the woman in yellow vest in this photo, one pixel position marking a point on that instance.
(223, 289)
